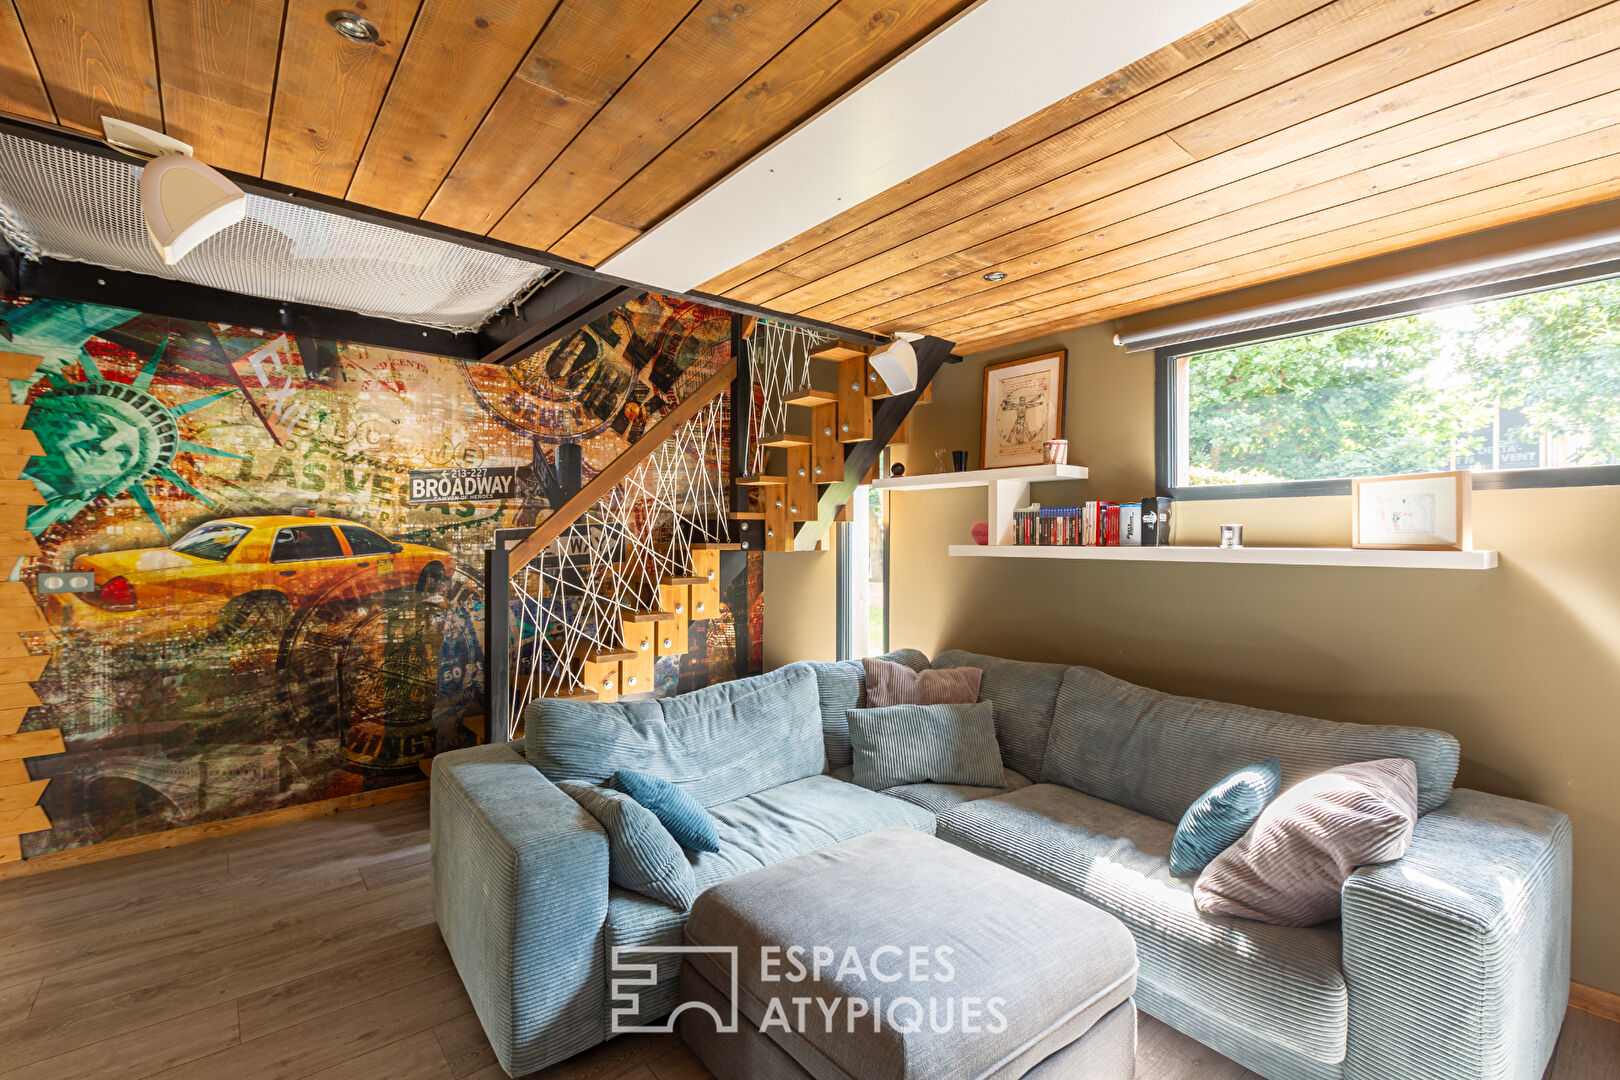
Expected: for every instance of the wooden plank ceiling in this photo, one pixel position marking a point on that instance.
(1289, 136)
(1285, 137)
(561, 125)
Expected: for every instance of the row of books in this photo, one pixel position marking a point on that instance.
(1094, 524)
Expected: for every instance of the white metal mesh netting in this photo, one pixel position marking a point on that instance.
(67, 204)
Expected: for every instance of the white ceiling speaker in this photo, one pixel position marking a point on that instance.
(896, 364)
(183, 200)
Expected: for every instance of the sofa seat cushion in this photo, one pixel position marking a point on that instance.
(808, 814)
(1277, 988)
(939, 798)
(716, 744)
(756, 830)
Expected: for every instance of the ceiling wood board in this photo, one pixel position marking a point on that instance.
(96, 58)
(217, 86)
(22, 90)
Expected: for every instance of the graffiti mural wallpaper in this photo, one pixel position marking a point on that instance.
(276, 621)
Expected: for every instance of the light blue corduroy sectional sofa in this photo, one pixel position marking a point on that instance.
(1451, 962)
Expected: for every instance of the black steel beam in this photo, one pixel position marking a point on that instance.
(183, 300)
(887, 416)
(564, 305)
(253, 185)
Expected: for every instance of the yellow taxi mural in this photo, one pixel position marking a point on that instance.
(233, 575)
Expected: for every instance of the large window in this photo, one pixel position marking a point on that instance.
(1525, 388)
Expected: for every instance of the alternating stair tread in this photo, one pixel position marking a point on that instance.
(609, 657)
(647, 616)
(761, 480)
(577, 695)
(811, 396)
(838, 351)
(717, 547)
(688, 579)
(747, 515)
(784, 439)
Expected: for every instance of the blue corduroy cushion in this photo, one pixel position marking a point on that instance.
(1220, 816)
(682, 815)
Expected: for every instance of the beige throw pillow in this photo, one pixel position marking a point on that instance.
(888, 683)
(1289, 867)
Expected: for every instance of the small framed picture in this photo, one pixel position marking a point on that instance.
(1424, 511)
(1023, 408)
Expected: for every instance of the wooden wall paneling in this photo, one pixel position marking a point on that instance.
(1468, 164)
(10, 849)
(27, 744)
(14, 772)
(217, 62)
(25, 668)
(1279, 162)
(714, 49)
(15, 365)
(842, 48)
(328, 92)
(16, 797)
(22, 89)
(456, 63)
(1543, 193)
(584, 55)
(1233, 74)
(20, 493)
(1208, 41)
(1023, 250)
(705, 597)
(96, 57)
(826, 452)
(19, 822)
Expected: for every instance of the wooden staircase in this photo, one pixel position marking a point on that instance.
(813, 473)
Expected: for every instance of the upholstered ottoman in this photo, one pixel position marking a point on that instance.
(896, 956)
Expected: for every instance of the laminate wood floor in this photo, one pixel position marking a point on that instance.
(309, 950)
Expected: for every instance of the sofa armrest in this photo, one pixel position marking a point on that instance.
(1457, 955)
(520, 889)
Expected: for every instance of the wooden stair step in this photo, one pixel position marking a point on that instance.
(474, 724)
(687, 579)
(784, 438)
(811, 397)
(761, 480)
(748, 515)
(839, 351)
(611, 656)
(426, 765)
(632, 615)
(577, 695)
(716, 547)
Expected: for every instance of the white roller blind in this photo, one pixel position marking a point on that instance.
(1417, 290)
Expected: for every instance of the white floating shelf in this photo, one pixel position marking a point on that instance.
(1261, 556)
(1022, 474)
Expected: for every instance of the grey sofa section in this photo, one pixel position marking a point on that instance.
(520, 892)
(1025, 695)
(1452, 962)
(841, 686)
(1156, 753)
(1057, 966)
(1459, 952)
(1270, 997)
(718, 744)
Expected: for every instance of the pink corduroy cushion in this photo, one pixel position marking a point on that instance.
(888, 683)
(1291, 865)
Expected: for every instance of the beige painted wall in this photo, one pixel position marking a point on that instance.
(801, 606)
(1521, 663)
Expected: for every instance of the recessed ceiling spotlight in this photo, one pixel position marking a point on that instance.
(996, 275)
(354, 27)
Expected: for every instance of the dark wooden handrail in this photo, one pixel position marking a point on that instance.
(620, 467)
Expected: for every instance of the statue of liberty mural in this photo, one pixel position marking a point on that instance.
(100, 437)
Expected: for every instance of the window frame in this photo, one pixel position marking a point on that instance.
(1166, 386)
